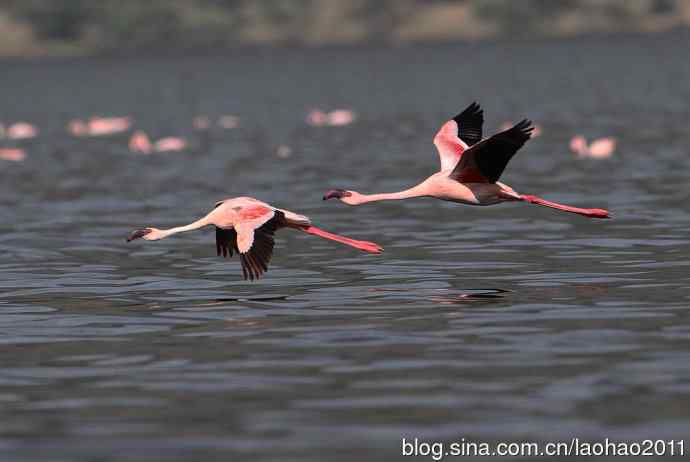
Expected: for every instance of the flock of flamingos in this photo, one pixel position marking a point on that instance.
(471, 166)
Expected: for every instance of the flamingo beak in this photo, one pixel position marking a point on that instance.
(336, 193)
(138, 233)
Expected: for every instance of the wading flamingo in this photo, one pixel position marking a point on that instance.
(470, 168)
(99, 126)
(246, 225)
(601, 148)
(140, 143)
(335, 118)
(21, 131)
(228, 122)
(12, 154)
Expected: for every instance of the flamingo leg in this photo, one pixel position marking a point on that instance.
(591, 213)
(366, 246)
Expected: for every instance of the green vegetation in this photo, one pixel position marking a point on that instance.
(101, 26)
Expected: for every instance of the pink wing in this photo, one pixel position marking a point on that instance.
(449, 146)
(461, 132)
(251, 217)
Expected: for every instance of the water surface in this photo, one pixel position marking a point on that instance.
(512, 322)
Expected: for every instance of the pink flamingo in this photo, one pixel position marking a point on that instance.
(601, 148)
(99, 126)
(140, 143)
(336, 118)
(470, 168)
(21, 131)
(317, 118)
(228, 122)
(341, 117)
(12, 154)
(78, 127)
(169, 144)
(246, 225)
(201, 123)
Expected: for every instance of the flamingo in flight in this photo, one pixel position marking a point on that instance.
(246, 225)
(470, 168)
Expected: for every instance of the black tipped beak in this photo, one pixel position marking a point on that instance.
(137, 234)
(335, 193)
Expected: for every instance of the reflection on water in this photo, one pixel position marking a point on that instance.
(449, 297)
(505, 322)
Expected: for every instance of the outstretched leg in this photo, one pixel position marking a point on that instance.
(591, 213)
(366, 246)
(509, 194)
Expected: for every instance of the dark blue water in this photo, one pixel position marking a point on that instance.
(504, 323)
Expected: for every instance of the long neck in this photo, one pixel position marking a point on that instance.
(416, 191)
(181, 229)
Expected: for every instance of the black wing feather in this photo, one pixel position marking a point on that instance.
(491, 156)
(470, 123)
(255, 261)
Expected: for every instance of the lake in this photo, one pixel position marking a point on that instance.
(505, 323)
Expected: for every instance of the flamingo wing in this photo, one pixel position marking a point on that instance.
(485, 161)
(459, 133)
(252, 239)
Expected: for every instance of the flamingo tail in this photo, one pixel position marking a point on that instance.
(591, 213)
(366, 246)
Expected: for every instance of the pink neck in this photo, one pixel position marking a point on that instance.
(416, 191)
(181, 229)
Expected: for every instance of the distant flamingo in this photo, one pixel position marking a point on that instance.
(470, 168)
(601, 148)
(535, 133)
(228, 122)
(317, 118)
(12, 154)
(109, 125)
(335, 118)
(341, 117)
(201, 123)
(21, 131)
(283, 151)
(99, 126)
(246, 225)
(140, 143)
(170, 143)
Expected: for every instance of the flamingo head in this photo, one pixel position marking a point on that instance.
(149, 234)
(578, 144)
(345, 196)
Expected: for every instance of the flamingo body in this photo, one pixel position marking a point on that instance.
(170, 143)
(600, 148)
(470, 168)
(335, 118)
(21, 131)
(246, 226)
(140, 143)
(228, 122)
(99, 126)
(12, 154)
